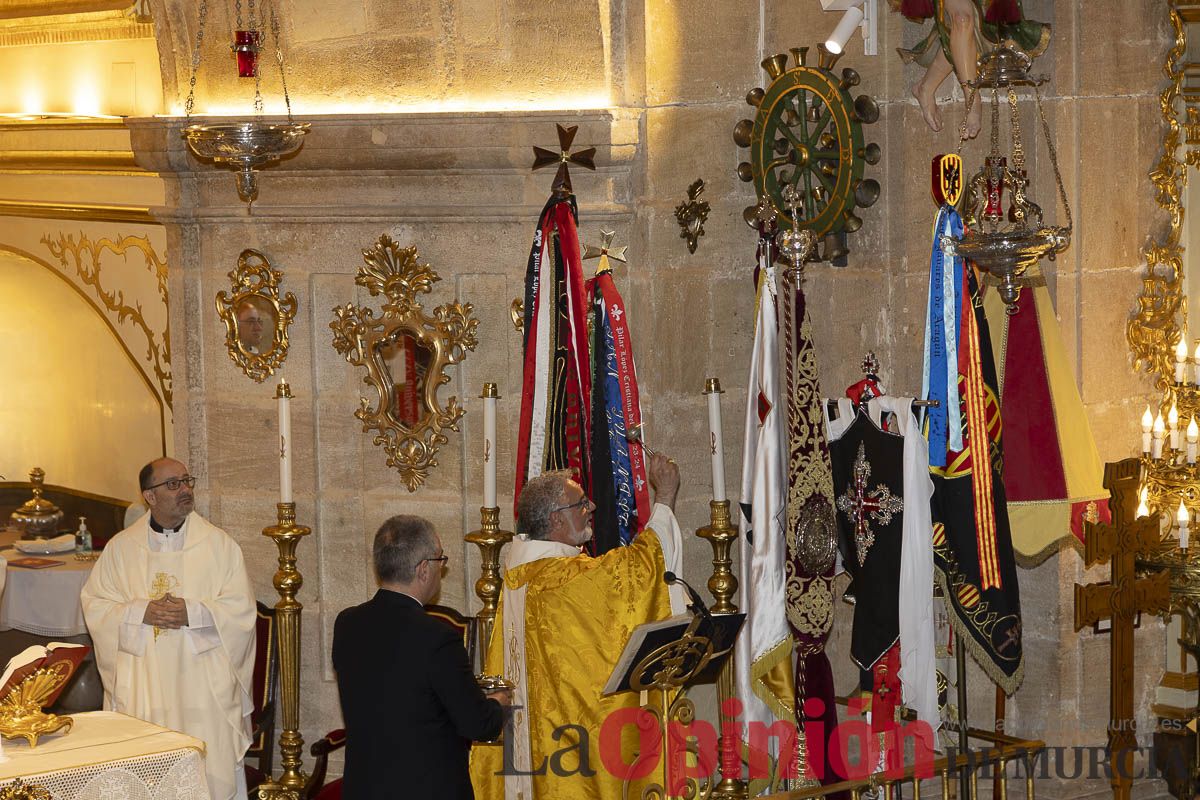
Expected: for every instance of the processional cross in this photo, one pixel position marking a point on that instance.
(544, 158)
(1120, 600)
(862, 504)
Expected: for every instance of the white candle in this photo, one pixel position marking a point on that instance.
(1159, 432)
(1181, 354)
(1196, 365)
(1147, 426)
(1193, 437)
(1183, 518)
(283, 394)
(1173, 426)
(712, 388)
(489, 444)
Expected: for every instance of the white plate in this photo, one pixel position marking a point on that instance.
(59, 544)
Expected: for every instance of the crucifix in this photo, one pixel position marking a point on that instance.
(1120, 600)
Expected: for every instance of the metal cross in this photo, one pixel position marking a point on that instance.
(605, 251)
(864, 506)
(544, 158)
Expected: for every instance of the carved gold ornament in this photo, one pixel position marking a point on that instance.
(1154, 329)
(21, 714)
(256, 318)
(86, 256)
(19, 790)
(405, 354)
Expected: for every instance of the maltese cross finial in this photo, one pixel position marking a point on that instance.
(605, 251)
(544, 158)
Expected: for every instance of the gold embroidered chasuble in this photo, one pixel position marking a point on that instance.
(578, 614)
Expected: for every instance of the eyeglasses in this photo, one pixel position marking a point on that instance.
(442, 559)
(583, 501)
(173, 484)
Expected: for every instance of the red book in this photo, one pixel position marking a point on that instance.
(61, 657)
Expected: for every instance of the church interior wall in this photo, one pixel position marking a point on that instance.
(657, 87)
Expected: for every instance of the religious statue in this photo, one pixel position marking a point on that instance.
(962, 31)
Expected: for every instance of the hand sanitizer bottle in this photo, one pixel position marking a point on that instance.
(83, 537)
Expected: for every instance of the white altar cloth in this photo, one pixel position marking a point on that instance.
(110, 756)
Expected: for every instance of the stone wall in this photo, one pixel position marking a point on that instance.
(456, 185)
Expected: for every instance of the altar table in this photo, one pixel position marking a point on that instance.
(110, 756)
(43, 601)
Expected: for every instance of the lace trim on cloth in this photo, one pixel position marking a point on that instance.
(174, 775)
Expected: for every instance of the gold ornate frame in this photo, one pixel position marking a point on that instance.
(1154, 329)
(255, 277)
(398, 274)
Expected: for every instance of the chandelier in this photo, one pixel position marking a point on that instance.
(1007, 243)
(248, 145)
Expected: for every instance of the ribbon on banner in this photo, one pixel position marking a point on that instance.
(623, 506)
(939, 380)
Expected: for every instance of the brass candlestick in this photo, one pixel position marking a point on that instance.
(287, 534)
(724, 585)
(490, 540)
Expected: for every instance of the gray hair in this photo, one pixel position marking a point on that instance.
(401, 544)
(539, 499)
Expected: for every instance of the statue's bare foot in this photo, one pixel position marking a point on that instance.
(928, 103)
(975, 117)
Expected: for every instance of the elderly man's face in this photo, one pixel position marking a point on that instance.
(170, 498)
(571, 520)
(250, 326)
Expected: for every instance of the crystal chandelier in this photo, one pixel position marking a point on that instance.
(1007, 244)
(249, 145)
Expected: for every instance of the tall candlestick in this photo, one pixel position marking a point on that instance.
(490, 395)
(712, 388)
(283, 393)
(1173, 426)
(1183, 518)
(1181, 354)
(1147, 426)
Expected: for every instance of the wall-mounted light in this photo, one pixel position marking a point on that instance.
(856, 14)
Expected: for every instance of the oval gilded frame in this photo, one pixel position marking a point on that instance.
(256, 279)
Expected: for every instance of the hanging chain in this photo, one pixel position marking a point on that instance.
(995, 121)
(191, 98)
(1018, 151)
(279, 60)
(1062, 192)
(237, 6)
(257, 35)
(962, 128)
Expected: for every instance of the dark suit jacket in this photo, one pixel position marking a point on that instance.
(410, 703)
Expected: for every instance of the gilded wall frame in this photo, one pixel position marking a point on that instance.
(412, 434)
(255, 294)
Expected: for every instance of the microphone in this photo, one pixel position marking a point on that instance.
(697, 606)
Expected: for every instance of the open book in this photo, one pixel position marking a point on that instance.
(63, 656)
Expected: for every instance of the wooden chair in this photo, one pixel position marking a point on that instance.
(316, 788)
(266, 690)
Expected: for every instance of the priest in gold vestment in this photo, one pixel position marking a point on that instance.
(563, 620)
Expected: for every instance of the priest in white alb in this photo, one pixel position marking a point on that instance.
(172, 615)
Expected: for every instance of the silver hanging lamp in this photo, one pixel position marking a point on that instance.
(249, 145)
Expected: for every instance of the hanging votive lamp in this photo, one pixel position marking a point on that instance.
(251, 144)
(1006, 234)
(245, 49)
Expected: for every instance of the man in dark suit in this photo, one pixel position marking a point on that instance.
(410, 703)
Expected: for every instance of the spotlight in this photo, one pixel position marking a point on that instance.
(836, 42)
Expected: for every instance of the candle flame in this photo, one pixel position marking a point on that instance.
(1159, 426)
(1182, 515)
(1173, 417)
(1143, 509)
(1193, 430)
(1147, 421)
(1181, 349)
